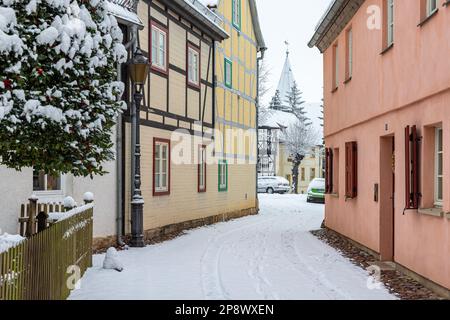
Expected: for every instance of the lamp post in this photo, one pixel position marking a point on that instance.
(138, 68)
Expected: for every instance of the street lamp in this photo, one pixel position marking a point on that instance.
(138, 68)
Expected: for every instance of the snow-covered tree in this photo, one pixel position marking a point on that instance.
(59, 97)
(299, 139)
(295, 104)
(276, 103)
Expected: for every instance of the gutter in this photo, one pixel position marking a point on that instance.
(258, 62)
(257, 27)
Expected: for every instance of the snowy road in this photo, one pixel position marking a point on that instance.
(269, 256)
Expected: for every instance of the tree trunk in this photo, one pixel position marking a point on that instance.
(295, 176)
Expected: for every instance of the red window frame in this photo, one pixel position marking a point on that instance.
(154, 24)
(196, 49)
(169, 155)
(199, 188)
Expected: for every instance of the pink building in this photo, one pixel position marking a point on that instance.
(387, 130)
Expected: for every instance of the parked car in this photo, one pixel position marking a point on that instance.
(316, 191)
(273, 185)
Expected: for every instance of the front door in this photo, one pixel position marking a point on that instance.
(387, 198)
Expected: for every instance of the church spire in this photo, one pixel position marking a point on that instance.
(287, 77)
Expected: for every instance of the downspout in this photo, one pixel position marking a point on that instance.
(258, 61)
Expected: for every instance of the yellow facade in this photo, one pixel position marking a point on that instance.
(170, 104)
(236, 104)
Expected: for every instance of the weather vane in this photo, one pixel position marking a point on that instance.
(287, 47)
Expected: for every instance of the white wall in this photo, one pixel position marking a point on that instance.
(104, 190)
(15, 189)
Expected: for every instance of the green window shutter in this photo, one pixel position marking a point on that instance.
(237, 11)
(223, 187)
(228, 73)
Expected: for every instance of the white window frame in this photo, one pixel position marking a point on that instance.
(432, 6)
(349, 53)
(223, 185)
(160, 188)
(390, 23)
(228, 78)
(156, 44)
(193, 71)
(438, 153)
(336, 66)
(236, 14)
(52, 195)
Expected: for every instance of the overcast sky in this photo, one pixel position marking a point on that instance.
(294, 21)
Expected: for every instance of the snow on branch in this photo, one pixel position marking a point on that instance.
(59, 94)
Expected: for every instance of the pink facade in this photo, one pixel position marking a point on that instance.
(407, 84)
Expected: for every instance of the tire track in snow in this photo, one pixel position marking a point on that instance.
(212, 284)
(326, 286)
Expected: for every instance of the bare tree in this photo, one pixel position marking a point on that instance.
(263, 90)
(264, 77)
(299, 138)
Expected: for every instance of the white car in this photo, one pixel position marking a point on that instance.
(272, 185)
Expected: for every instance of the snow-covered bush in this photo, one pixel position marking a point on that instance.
(59, 97)
(112, 260)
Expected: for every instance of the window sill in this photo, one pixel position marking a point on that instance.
(348, 80)
(161, 193)
(334, 90)
(428, 18)
(388, 48)
(434, 212)
(334, 195)
(194, 86)
(446, 3)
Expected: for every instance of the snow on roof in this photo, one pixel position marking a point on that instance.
(201, 6)
(255, 19)
(210, 2)
(282, 120)
(279, 119)
(122, 13)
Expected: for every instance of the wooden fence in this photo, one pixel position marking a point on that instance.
(47, 265)
(27, 209)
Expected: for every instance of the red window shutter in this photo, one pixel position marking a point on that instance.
(408, 191)
(412, 193)
(329, 170)
(415, 167)
(351, 170)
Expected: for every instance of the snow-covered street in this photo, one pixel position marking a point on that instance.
(269, 256)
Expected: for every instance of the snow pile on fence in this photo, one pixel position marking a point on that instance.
(61, 216)
(9, 241)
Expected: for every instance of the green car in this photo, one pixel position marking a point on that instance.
(316, 191)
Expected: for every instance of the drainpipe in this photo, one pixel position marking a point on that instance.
(258, 61)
